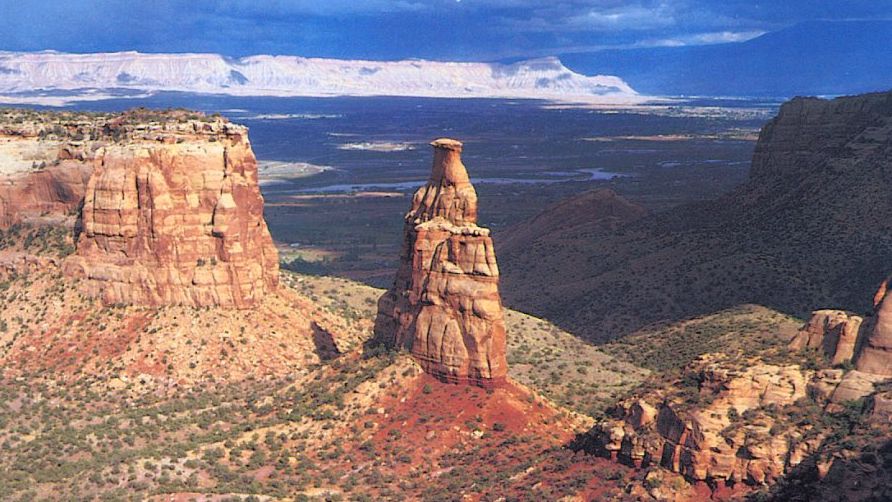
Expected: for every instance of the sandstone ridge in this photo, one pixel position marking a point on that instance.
(738, 424)
(444, 305)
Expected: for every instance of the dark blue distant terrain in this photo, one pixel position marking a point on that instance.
(812, 58)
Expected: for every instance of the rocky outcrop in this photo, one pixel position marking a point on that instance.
(42, 179)
(444, 305)
(855, 465)
(729, 437)
(843, 337)
(835, 332)
(50, 193)
(876, 355)
(176, 219)
(728, 420)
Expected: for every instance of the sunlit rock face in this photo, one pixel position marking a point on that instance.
(835, 332)
(444, 305)
(176, 221)
(708, 442)
(876, 355)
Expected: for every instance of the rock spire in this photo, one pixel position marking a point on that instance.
(444, 305)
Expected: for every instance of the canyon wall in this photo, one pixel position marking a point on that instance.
(42, 179)
(816, 213)
(444, 305)
(165, 206)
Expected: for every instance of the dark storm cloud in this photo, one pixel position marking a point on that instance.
(387, 29)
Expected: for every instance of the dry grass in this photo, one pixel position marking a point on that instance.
(748, 330)
(567, 370)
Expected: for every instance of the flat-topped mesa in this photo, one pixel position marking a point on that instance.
(444, 305)
(176, 220)
(449, 192)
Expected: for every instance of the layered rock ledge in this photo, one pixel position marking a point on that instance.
(176, 220)
(165, 205)
(444, 305)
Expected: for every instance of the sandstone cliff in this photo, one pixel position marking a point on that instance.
(43, 169)
(167, 204)
(833, 331)
(444, 305)
(176, 220)
(819, 195)
(876, 355)
(50, 194)
(844, 338)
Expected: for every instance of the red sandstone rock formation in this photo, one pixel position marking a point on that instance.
(876, 355)
(873, 359)
(833, 331)
(444, 305)
(49, 193)
(176, 221)
(710, 442)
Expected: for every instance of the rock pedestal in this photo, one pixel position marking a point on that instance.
(444, 306)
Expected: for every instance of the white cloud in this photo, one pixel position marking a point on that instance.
(624, 18)
(716, 37)
(597, 16)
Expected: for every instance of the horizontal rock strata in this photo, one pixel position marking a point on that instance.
(177, 219)
(444, 306)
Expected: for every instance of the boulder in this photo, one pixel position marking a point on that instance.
(855, 385)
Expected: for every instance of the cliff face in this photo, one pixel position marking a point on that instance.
(40, 179)
(833, 331)
(176, 221)
(56, 191)
(844, 338)
(812, 226)
(444, 305)
(876, 355)
(732, 435)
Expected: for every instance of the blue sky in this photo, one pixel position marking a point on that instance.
(393, 29)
